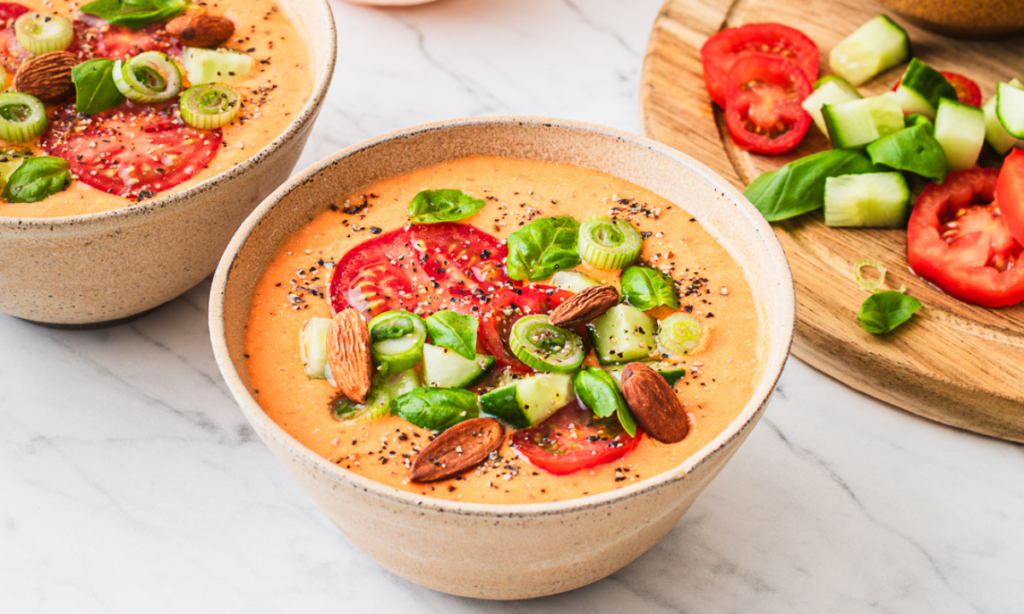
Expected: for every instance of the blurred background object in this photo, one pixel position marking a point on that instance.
(977, 19)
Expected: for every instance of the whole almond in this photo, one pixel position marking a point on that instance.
(654, 403)
(348, 354)
(47, 77)
(585, 306)
(458, 449)
(200, 29)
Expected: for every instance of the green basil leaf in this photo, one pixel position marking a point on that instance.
(911, 149)
(799, 186)
(95, 91)
(135, 14)
(10, 160)
(36, 179)
(919, 120)
(627, 420)
(433, 206)
(646, 288)
(542, 247)
(437, 409)
(884, 311)
(453, 331)
(377, 405)
(598, 392)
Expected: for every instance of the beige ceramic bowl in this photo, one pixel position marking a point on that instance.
(978, 19)
(88, 270)
(486, 550)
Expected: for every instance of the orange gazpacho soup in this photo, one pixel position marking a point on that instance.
(145, 99)
(475, 256)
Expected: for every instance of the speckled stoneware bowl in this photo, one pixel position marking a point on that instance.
(486, 550)
(94, 269)
(977, 19)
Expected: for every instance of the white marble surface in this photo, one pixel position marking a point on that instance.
(130, 483)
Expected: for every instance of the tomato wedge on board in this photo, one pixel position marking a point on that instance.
(967, 91)
(725, 48)
(762, 108)
(958, 239)
(132, 150)
(1010, 193)
(558, 448)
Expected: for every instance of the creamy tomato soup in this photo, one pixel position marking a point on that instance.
(134, 151)
(468, 257)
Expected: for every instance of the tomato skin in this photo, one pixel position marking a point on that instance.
(968, 266)
(537, 443)
(1010, 193)
(967, 91)
(762, 109)
(99, 39)
(12, 10)
(11, 53)
(504, 309)
(725, 48)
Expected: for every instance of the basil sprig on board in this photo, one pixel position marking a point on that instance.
(36, 179)
(799, 186)
(437, 409)
(884, 311)
(646, 288)
(95, 90)
(911, 149)
(433, 206)
(453, 331)
(135, 14)
(599, 392)
(542, 247)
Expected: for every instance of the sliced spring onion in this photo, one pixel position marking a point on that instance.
(609, 243)
(148, 77)
(396, 339)
(680, 334)
(866, 285)
(22, 117)
(210, 106)
(545, 347)
(41, 33)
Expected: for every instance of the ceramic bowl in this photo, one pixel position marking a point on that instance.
(95, 269)
(977, 19)
(486, 550)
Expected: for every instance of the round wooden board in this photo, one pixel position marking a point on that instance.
(954, 363)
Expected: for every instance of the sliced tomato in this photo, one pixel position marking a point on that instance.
(958, 239)
(133, 151)
(573, 439)
(97, 38)
(11, 53)
(725, 48)
(1010, 193)
(504, 310)
(762, 108)
(967, 91)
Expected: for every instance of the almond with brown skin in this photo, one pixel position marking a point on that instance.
(460, 448)
(585, 306)
(47, 77)
(200, 29)
(348, 354)
(654, 403)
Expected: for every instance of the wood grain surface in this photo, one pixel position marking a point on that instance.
(955, 363)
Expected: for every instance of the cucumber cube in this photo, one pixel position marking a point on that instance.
(873, 200)
(876, 46)
(960, 129)
(215, 65)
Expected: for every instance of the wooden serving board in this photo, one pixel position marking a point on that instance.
(955, 363)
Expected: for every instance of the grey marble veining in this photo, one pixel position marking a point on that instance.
(130, 483)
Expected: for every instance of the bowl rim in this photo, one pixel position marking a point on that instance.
(321, 83)
(775, 358)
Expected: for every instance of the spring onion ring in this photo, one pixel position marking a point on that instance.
(210, 106)
(680, 334)
(396, 339)
(148, 77)
(41, 33)
(22, 117)
(545, 347)
(609, 243)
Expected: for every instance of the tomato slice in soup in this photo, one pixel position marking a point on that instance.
(11, 53)
(762, 109)
(132, 150)
(97, 38)
(573, 439)
(958, 239)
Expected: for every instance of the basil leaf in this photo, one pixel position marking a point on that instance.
(884, 311)
(598, 391)
(437, 409)
(646, 288)
(919, 120)
(542, 247)
(799, 186)
(95, 91)
(627, 420)
(433, 206)
(135, 14)
(453, 331)
(36, 179)
(911, 149)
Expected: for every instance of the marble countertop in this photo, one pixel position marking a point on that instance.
(129, 481)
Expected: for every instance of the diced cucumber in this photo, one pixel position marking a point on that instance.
(841, 82)
(854, 124)
(573, 281)
(444, 368)
(622, 334)
(672, 372)
(960, 129)
(215, 65)
(531, 400)
(313, 347)
(921, 89)
(874, 47)
(1010, 109)
(830, 92)
(398, 384)
(995, 134)
(873, 200)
